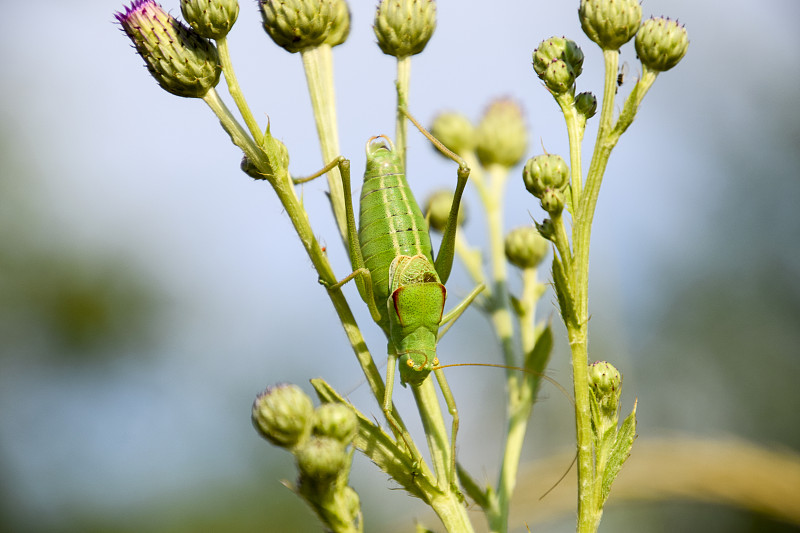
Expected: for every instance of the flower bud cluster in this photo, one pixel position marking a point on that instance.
(285, 416)
(319, 439)
(297, 25)
(212, 19)
(525, 247)
(500, 138)
(437, 210)
(661, 43)
(179, 58)
(404, 27)
(610, 23)
(546, 177)
(558, 61)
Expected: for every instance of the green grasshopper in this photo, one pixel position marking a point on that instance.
(396, 275)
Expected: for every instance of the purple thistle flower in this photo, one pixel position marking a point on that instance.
(181, 61)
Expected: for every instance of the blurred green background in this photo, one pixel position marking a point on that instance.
(149, 289)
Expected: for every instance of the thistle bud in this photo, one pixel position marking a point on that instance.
(502, 137)
(282, 415)
(182, 62)
(335, 420)
(586, 104)
(525, 248)
(552, 201)
(661, 43)
(437, 210)
(610, 23)
(321, 459)
(559, 77)
(340, 27)
(455, 131)
(404, 27)
(212, 19)
(544, 172)
(297, 25)
(605, 383)
(557, 48)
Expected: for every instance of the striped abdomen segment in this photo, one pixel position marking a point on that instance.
(391, 222)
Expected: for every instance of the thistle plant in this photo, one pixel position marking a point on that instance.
(399, 278)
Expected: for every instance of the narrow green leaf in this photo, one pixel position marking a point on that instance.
(620, 452)
(471, 487)
(536, 359)
(516, 305)
(564, 294)
(380, 447)
(568, 200)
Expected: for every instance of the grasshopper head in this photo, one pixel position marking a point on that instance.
(415, 311)
(417, 358)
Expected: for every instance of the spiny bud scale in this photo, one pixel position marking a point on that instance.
(557, 48)
(559, 76)
(340, 26)
(297, 25)
(404, 27)
(661, 43)
(543, 172)
(212, 19)
(610, 23)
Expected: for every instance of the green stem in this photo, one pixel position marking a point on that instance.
(239, 136)
(584, 211)
(589, 486)
(575, 135)
(588, 510)
(235, 90)
(501, 314)
(501, 306)
(452, 512)
(520, 406)
(561, 240)
(447, 503)
(401, 125)
(430, 413)
(318, 65)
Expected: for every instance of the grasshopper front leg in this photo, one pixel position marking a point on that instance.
(360, 274)
(444, 259)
